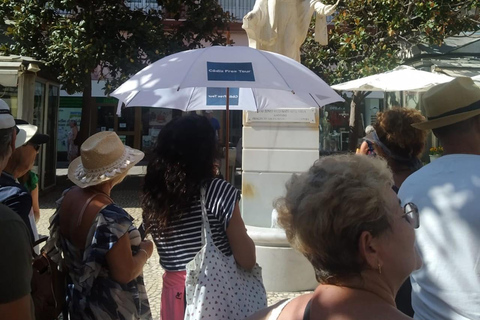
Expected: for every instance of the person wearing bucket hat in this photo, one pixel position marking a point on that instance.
(21, 164)
(15, 242)
(446, 193)
(12, 193)
(105, 251)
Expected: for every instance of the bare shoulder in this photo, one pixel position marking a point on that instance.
(340, 303)
(284, 309)
(295, 309)
(265, 313)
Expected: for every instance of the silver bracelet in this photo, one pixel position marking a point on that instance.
(145, 251)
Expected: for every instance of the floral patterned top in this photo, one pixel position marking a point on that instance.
(92, 293)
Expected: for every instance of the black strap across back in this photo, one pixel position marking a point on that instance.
(306, 314)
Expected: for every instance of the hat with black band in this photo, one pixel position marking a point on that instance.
(449, 103)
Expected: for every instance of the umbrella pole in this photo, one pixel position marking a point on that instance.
(227, 136)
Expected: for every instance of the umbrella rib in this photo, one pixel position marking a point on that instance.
(318, 105)
(190, 98)
(279, 73)
(255, 98)
(190, 68)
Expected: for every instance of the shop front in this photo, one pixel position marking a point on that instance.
(334, 122)
(136, 127)
(33, 96)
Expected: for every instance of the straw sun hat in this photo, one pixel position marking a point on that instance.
(103, 157)
(449, 103)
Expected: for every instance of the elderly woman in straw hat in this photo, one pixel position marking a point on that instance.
(103, 251)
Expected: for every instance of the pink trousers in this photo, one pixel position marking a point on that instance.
(173, 299)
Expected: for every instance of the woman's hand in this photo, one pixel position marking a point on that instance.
(147, 245)
(123, 265)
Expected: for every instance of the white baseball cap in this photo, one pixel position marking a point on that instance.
(6, 118)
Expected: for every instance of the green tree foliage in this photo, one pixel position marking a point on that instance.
(76, 38)
(371, 36)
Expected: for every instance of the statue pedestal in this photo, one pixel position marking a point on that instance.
(283, 268)
(276, 144)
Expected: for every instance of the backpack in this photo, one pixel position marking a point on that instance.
(48, 284)
(49, 280)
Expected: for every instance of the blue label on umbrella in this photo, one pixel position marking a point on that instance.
(218, 96)
(230, 71)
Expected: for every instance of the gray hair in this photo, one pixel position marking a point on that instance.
(327, 208)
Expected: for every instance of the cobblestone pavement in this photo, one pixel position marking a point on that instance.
(127, 196)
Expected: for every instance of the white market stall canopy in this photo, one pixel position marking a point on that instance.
(402, 78)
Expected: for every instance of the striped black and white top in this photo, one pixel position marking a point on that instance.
(182, 239)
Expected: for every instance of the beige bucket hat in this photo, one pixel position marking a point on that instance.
(103, 157)
(449, 103)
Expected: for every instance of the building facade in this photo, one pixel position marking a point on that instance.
(33, 96)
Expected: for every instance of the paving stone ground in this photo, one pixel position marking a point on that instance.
(127, 196)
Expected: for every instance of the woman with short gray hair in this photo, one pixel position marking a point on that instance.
(345, 218)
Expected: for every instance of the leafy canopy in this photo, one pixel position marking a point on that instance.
(369, 35)
(76, 38)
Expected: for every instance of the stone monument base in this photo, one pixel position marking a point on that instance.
(283, 268)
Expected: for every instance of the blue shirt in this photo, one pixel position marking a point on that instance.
(16, 197)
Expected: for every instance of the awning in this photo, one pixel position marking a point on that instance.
(457, 67)
(459, 72)
(9, 73)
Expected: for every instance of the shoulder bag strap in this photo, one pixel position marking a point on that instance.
(306, 314)
(77, 225)
(88, 216)
(206, 232)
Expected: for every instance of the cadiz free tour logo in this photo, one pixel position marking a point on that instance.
(231, 71)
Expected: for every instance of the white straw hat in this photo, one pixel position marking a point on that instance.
(103, 157)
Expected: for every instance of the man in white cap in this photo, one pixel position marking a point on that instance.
(15, 248)
(447, 193)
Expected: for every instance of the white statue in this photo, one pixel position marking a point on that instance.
(281, 25)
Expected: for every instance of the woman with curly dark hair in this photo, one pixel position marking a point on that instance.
(398, 142)
(401, 145)
(183, 164)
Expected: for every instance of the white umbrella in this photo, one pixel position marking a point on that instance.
(402, 78)
(265, 80)
(225, 78)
